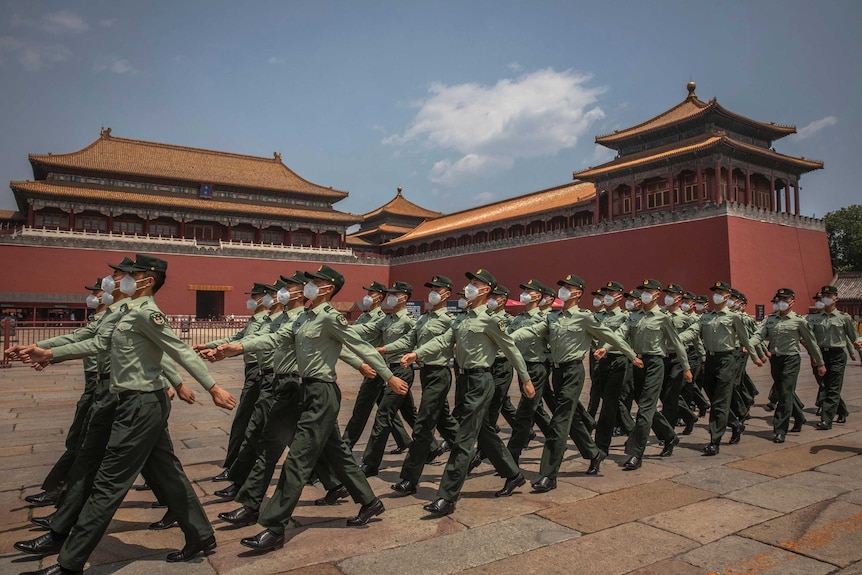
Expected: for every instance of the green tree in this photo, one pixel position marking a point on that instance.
(844, 230)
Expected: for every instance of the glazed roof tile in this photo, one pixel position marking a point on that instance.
(115, 155)
(11, 215)
(385, 228)
(484, 216)
(401, 206)
(107, 196)
(849, 285)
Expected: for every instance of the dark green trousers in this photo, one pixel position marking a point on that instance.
(832, 404)
(785, 372)
(386, 420)
(718, 382)
(612, 371)
(370, 394)
(568, 382)
(671, 389)
(624, 416)
(501, 371)
(247, 400)
(596, 383)
(139, 442)
(77, 430)
(477, 389)
(317, 436)
(277, 434)
(647, 388)
(247, 454)
(433, 413)
(525, 415)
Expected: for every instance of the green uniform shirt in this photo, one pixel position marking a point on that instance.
(507, 320)
(476, 335)
(720, 331)
(430, 325)
(612, 319)
(531, 348)
(654, 334)
(783, 334)
(319, 341)
(98, 345)
(569, 334)
(389, 329)
(269, 325)
(279, 342)
(833, 329)
(371, 316)
(91, 363)
(251, 328)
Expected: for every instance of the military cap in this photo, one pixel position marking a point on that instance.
(572, 280)
(376, 286)
(674, 289)
(324, 272)
(613, 286)
(123, 266)
(742, 298)
(702, 299)
(634, 294)
(259, 288)
(439, 281)
(829, 290)
(720, 286)
(400, 287)
(97, 286)
(483, 276)
(650, 283)
(297, 278)
(817, 296)
(690, 295)
(785, 292)
(145, 263)
(735, 293)
(279, 283)
(596, 293)
(540, 287)
(500, 290)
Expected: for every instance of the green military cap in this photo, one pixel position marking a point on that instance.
(829, 290)
(674, 288)
(572, 280)
(785, 292)
(483, 276)
(259, 288)
(500, 290)
(720, 286)
(775, 299)
(613, 286)
(279, 283)
(702, 299)
(596, 293)
(690, 295)
(298, 278)
(650, 283)
(123, 266)
(735, 293)
(376, 286)
(742, 298)
(538, 286)
(97, 285)
(324, 272)
(400, 287)
(146, 263)
(817, 296)
(439, 281)
(634, 294)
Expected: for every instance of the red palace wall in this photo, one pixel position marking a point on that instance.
(59, 270)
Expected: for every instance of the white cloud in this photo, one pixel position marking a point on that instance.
(108, 22)
(602, 154)
(274, 60)
(814, 127)
(534, 115)
(36, 57)
(514, 67)
(64, 22)
(114, 65)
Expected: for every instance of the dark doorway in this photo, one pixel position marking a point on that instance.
(209, 304)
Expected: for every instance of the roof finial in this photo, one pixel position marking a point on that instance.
(277, 156)
(105, 132)
(691, 86)
(399, 190)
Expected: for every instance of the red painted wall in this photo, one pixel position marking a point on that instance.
(60, 270)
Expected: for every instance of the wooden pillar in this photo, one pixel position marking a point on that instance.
(670, 187)
(258, 234)
(317, 239)
(111, 222)
(595, 209)
(699, 186)
(72, 220)
(610, 205)
(786, 196)
(796, 196)
(31, 216)
(183, 228)
(634, 197)
(772, 205)
(147, 225)
(748, 195)
(717, 198)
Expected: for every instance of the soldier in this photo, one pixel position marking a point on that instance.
(650, 336)
(691, 397)
(673, 380)
(595, 383)
(318, 342)
(139, 439)
(436, 379)
(501, 403)
(833, 330)
(476, 336)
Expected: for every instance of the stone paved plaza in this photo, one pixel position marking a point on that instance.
(756, 508)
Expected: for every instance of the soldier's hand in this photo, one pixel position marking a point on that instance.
(208, 354)
(36, 355)
(40, 366)
(600, 353)
(229, 350)
(852, 355)
(15, 352)
(686, 375)
(222, 397)
(199, 346)
(381, 350)
(529, 390)
(768, 354)
(398, 385)
(171, 393)
(821, 371)
(186, 393)
(857, 344)
(758, 362)
(408, 359)
(367, 371)
(638, 363)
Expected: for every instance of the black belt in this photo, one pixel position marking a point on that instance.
(314, 380)
(473, 370)
(426, 366)
(720, 353)
(565, 364)
(614, 354)
(529, 363)
(104, 377)
(130, 392)
(396, 366)
(645, 355)
(251, 364)
(831, 349)
(267, 371)
(499, 360)
(287, 376)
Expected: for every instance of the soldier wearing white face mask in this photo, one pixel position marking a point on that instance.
(691, 397)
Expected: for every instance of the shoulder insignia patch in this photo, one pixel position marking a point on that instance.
(502, 325)
(158, 318)
(327, 308)
(341, 319)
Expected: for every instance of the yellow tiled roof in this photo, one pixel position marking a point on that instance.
(113, 197)
(401, 206)
(484, 216)
(11, 215)
(689, 108)
(385, 228)
(698, 143)
(114, 155)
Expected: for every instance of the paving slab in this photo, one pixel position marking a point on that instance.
(670, 567)
(737, 555)
(795, 491)
(848, 467)
(799, 458)
(720, 479)
(710, 520)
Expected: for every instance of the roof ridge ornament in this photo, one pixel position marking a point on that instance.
(691, 87)
(399, 191)
(105, 132)
(277, 156)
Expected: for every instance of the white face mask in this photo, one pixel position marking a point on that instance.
(367, 302)
(492, 304)
(685, 307)
(783, 306)
(565, 294)
(391, 300)
(251, 304)
(267, 301)
(92, 301)
(597, 301)
(311, 291)
(646, 297)
(525, 298)
(699, 307)
(608, 299)
(434, 298)
(462, 303)
(731, 304)
(669, 299)
(284, 296)
(827, 301)
(471, 292)
(107, 298)
(128, 285)
(630, 305)
(108, 284)
(820, 304)
(774, 306)
(717, 298)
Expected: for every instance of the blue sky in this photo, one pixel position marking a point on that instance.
(461, 103)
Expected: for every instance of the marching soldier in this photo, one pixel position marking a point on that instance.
(501, 369)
